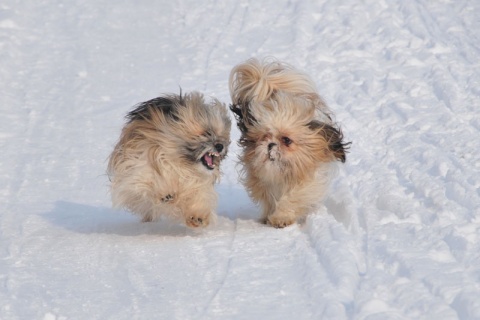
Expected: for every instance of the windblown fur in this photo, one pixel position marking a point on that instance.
(288, 137)
(167, 159)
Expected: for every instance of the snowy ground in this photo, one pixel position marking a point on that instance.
(398, 237)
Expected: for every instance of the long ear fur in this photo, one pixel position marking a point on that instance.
(243, 116)
(334, 138)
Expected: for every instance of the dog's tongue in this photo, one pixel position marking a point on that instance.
(209, 160)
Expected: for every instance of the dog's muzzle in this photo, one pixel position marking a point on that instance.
(272, 151)
(211, 159)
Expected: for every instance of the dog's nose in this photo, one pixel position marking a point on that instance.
(219, 147)
(271, 145)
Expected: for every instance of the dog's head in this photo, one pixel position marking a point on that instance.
(185, 129)
(284, 136)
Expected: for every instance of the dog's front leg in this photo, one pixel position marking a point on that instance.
(288, 208)
(199, 209)
(282, 217)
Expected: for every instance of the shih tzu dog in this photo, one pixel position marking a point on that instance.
(288, 137)
(167, 159)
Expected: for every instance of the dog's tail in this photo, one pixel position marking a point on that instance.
(254, 80)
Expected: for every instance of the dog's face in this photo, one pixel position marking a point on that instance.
(282, 138)
(206, 135)
(185, 129)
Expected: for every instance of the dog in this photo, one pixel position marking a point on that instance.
(288, 138)
(167, 159)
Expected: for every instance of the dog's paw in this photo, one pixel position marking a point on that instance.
(168, 198)
(147, 218)
(197, 222)
(280, 221)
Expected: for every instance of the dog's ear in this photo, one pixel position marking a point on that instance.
(333, 137)
(243, 116)
(165, 105)
(237, 111)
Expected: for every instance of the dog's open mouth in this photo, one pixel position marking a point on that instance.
(210, 160)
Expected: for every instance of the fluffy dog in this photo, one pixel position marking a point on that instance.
(288, 138)
(167, 159)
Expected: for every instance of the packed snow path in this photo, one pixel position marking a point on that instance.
(397, 238)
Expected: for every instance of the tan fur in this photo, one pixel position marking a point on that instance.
(153, 170)
(289, 140)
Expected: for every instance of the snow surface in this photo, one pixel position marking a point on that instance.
(397, 238)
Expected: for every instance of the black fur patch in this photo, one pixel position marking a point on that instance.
(243, 116)
(166, 105)
(334, 137)
(237, 111)
(192, 152)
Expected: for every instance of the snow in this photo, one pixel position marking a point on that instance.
(398, 236)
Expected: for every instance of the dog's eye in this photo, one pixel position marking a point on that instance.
(207, 134)
(286, 141)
